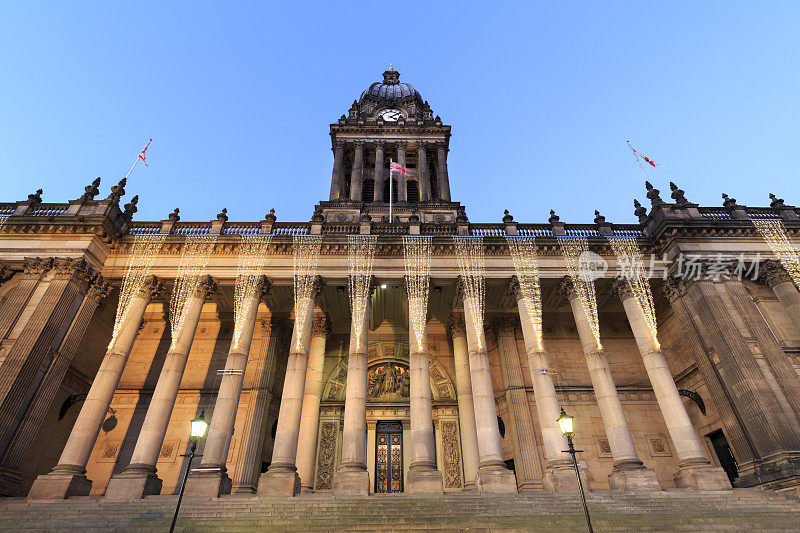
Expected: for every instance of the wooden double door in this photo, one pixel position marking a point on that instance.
(388, 457)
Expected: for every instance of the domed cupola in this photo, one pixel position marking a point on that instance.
(391, 88)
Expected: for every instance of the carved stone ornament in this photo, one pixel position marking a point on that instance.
(677, 194)
(263, 287)
(91, 191)
(321, 326)
(567, 288)
(222, 216)
(73, 269)
(152, 288)
(34, 267)
(621, 288)
(326, 456)
(674, 289)
(35, 198)
(117, 191)
(514, 288)
(639, 211)
(5, 273)
(653, 194)
(130, 208)
(503, 327)
(388, 382)
(452, 454)
(456, 326)
(175, 215)
(507, 218)
(772, 273)
(99, 289)
(207, 287)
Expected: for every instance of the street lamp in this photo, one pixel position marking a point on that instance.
(197, 432)
(566, 427)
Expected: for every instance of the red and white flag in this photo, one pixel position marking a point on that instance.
(142, 154)
(640, 154)
(397, 167)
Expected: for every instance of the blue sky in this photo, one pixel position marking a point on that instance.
(541, 97)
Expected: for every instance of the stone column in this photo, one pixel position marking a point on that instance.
(442, 180)
(628, 473)
(774, 275)
(352, 477)
(402, 195)
(211, 478)
(493, 475)
(526, 460)
(282, 478)
(33, 270)
(466, 407)
(139, 479)
(379, 176)
(309, 418)
(559, 475)
(357, 175)
(694, 469)
(68, 477)
(423, 477)
(338, 170)
(424, 173)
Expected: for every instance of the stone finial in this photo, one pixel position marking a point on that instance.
(35, 198)
(639, 211)
(461, 215)
(117, 191)
(365, 217)
(553, 217)
(130, 208)
(598, 218)
(222, 216)
(353, 111)
(270, 217)
(318, 216)
(414, 216)
(775, 202)
(90, 192)
(728, 202)
(507, 218)
(677, 194)
(653, 194)
(391, 77)
(174, 216)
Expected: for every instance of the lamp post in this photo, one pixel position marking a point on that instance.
(565, 424)
(198, 431)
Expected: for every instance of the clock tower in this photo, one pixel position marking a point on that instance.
(389, 122)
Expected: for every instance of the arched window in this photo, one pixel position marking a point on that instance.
(412, 191)
(394, 192)
(368, 190)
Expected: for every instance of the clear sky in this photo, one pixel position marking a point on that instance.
(541, 96)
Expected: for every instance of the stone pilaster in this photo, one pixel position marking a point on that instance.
(357, 175)
(338, 170)
(442, 179)
(424, 172)
(466, 407)
(33, 271)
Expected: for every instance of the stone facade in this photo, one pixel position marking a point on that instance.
(721, 389)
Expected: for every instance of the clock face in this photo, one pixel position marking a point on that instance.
(391, 115)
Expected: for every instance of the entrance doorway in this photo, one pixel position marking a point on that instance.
(726, 459)
(388, 457)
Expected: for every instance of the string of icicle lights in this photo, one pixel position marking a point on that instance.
(306, 249)
(360, 257)
(194, 259)
(143, 255)
(471, 264)
(573, 247)
(629, 258)
(523, 252)
(417, 252)
(252, 261)
(774, 233)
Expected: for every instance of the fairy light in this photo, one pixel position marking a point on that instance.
(252, 260)
(417, 252)
(471, 264)
(360, 257)
(774, 233)
(306, 250)
(629, 257)
(526, 264)
(143, 255)
(573, 247)
(194, 259)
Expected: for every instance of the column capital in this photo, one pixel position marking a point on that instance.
(514, 289)
(76, 270)
(321, 326)
(422, 146)
(441, 146)
(339, 144)
(503, 326)
(621, 288)
(319, 284)
(772, 273)
(359, 144)
(379, 144)
(674, 289)
(98, 288)
(263, 287)
(5, 273)
(401, 145)
(567, 288)
(456, 326)
(34, 267)
(152, 288)
(207, 287)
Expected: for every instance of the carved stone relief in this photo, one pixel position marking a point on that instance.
(452, 455)
(326, 456)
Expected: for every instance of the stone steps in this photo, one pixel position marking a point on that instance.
(741, 509)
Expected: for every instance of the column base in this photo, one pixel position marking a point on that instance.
(60, 484)
(10, 483)
(351, 482)
(210, 483)
(494, 478)
(279, 481)
(424, 480)
(136, 482)
(633, 477)
(702, 476)
(560, 477)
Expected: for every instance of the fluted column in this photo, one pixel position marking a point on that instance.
(493, 475)
(466, 407)
(379, 176)
(402, 194)
(424, 172)
(309, 419)
(558, 475)
(357, 175)
(33, 270)
(423, 477)
(338, 170)
(139, 478)
(774, 275)
(526, 460)
(695, 470)
(442, 180)
(352, 477)
(282, 478)
(211, 478)
(628, 472)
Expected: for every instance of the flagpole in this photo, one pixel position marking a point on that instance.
(636, 157)
(138, 157)
(390, 190)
